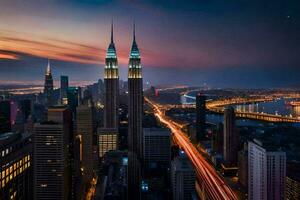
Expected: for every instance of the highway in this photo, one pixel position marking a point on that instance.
(213, 185)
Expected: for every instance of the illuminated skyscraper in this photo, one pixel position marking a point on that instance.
(64, 84)
(85, 128)
(111, 82)
(16, 167)
(111, 101)
(107, 141)
(266, 172)
(52, 170)
(48, 86)
(135, 115)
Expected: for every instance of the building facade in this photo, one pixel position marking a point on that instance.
(200, 116)
(230, 142)
(157, 147)
(111, 84)
(5, 116)
(64, 84)
(16, 166)
(266, 172)
(86, 128)
(107, 140)
(108, 135)
(51, 166)
(183, 178)
(135, 117)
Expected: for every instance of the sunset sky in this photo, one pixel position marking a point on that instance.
(244, 43)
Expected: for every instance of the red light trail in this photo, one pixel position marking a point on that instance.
(213, 184)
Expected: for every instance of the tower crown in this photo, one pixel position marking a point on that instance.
(111, 51)
(134, 53)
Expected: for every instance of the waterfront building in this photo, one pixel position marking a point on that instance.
(230, 145)
(200, 116)
(243, 166)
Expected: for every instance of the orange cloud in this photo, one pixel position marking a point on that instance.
(10, 56)
(51, 48)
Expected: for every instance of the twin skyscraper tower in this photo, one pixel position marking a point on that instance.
(135, 110)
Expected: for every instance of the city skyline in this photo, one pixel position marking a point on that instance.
(203, 103)
(241, 44)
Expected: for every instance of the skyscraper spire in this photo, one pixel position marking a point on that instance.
(48, 86)
(112, 32)
(134, 52)
(48, 71)
(133, 31)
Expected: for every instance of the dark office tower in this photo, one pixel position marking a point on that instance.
(25, 109)
(16, 166)
(64, 84)
(48, 87)
(111, 82)
(200, 116)
(5, 115)
(135, 114)
(157, 147)
(85, 130)
(62, 115)
(230, 146)
(73, 95)
(51, 169)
